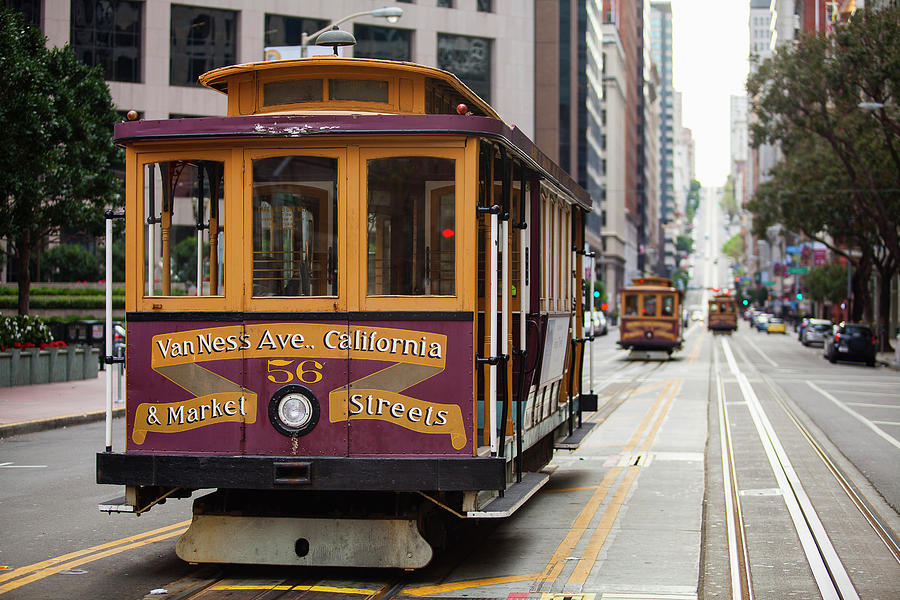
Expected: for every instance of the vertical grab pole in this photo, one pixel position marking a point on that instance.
(492, 319)
(200, 232)
(593, 265)
(109, 381)
(151, 222)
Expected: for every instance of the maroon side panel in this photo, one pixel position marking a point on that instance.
(206, 387)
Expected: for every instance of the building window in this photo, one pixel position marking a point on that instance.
(485, 5)
(30, 9)
(288, 31)
(469, 58)
(387, 43)
(445, 3)
(202, 39)
(107, 33)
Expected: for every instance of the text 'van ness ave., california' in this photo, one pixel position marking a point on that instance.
(299, 339)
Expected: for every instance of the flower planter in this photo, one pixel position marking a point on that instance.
(34, 366)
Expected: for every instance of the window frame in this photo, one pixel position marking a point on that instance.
(136, 232)
(305, 303)
(358, 244)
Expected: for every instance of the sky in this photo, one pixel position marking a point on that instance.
(710, 47)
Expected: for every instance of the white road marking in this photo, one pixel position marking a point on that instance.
(856, 415)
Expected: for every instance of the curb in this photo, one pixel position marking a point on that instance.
(23, 427)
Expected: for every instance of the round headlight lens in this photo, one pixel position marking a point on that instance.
(295, 410)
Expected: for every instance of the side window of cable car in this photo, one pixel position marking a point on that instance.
(295, 224)
(411, 226)
(184, 227)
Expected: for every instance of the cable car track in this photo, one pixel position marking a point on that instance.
(828, 571)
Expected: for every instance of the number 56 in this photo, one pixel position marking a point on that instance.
(303, 372)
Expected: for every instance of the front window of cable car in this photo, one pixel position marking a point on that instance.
(295, 226)
(184, 249)
(649, 308)
(668, 306)
(411, 226)
(631, 304)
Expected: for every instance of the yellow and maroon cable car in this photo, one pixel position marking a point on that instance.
(722, 314)
(350, 305)
(650, 317)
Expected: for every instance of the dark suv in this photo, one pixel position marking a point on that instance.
(851, 341)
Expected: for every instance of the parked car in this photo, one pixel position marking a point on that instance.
(762, 321)
(851, 341)
(601, 326)
(803, 323)
(775, 325)
(815, 331)
(118, 340)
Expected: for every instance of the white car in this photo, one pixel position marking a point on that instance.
(600, 325)
(816, 331)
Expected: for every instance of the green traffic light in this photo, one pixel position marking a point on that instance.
(799, 296)
(596, 293)
(746, 302)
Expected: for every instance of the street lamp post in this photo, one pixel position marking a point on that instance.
(392, 14)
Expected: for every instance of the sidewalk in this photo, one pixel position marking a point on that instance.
(30, 408)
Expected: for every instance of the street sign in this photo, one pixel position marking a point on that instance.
(798, 270)
(768, 283)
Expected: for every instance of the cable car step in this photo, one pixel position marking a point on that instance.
(573, 441)
(116, 505)
(515, 496)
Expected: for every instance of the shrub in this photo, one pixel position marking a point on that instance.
(72, 262)
(23, 331)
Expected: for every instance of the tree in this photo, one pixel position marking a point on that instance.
(839, 181)
(729, 201)
(827, 283)
(734, 247)
(57, 160)
(71, 262)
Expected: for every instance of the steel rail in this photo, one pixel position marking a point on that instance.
(828, 571)
(881, 529)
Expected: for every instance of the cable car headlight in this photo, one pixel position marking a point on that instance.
(294, 410)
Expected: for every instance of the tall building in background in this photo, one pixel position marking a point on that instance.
(661, 39)
(153, 51)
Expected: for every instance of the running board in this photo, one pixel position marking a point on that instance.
(573, 441)
(116, 505)
(513, 497)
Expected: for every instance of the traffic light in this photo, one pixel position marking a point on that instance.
(799, 296)
(596, 293)
(746, 302)
(604, 306)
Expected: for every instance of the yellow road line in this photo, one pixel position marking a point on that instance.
(55, 561)
(41, 574)
(647, 418)
(695, 350)
(557, 561)
(296, 588)
(592, 550)
(462, 585)
(598, 538)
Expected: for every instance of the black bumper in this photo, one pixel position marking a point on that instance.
(302, 473)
